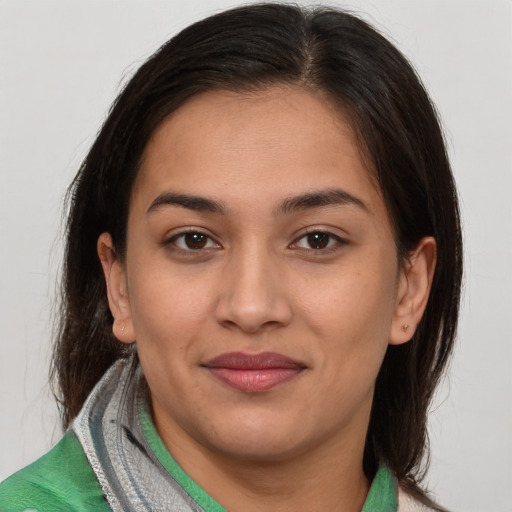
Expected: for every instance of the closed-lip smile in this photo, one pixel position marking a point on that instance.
(253, 373)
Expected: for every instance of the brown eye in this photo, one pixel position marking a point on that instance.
(318, 240)
(195, 240)
(322, 242)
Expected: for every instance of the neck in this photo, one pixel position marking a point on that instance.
(330, 477)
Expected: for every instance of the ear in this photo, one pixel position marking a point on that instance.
(413, 290)
(117, 290)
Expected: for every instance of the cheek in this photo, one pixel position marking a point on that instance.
(169, 318)
(168, 306)
(351, 317)
(354, 299)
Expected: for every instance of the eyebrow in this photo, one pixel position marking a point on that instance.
(197, 203)
(329, 197)
(310, 200)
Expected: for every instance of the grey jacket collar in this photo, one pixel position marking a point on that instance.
(109, 430)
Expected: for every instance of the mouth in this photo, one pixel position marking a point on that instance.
(254, 373)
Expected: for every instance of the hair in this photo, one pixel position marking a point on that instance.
(248, 49)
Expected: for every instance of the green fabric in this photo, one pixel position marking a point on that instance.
(61, 480)
(382, 496)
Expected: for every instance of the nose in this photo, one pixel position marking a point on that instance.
(253, 294)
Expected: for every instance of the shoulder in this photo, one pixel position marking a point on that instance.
(406, 503)
(60, 480)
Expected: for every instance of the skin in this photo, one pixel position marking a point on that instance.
(258, 285)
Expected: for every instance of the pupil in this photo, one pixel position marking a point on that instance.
(195, 240)
(318, 240)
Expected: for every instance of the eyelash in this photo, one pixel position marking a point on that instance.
(333, 244)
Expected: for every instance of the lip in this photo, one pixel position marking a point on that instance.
(254, 373)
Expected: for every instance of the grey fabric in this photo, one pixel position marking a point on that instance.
(109, 430)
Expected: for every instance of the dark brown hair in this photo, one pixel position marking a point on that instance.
(246, 49)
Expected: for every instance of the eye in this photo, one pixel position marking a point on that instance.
(193, 241)
(318, 240)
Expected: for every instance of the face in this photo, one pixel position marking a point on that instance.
(261, 281)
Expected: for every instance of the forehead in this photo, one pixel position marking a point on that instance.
(279, 140)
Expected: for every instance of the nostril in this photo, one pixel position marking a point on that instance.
(252, 317)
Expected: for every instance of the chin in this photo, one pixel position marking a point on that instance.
(261, 452)
(259, 441)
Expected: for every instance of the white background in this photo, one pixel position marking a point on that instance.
(62, 63)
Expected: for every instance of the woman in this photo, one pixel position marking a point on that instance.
(262, 279)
